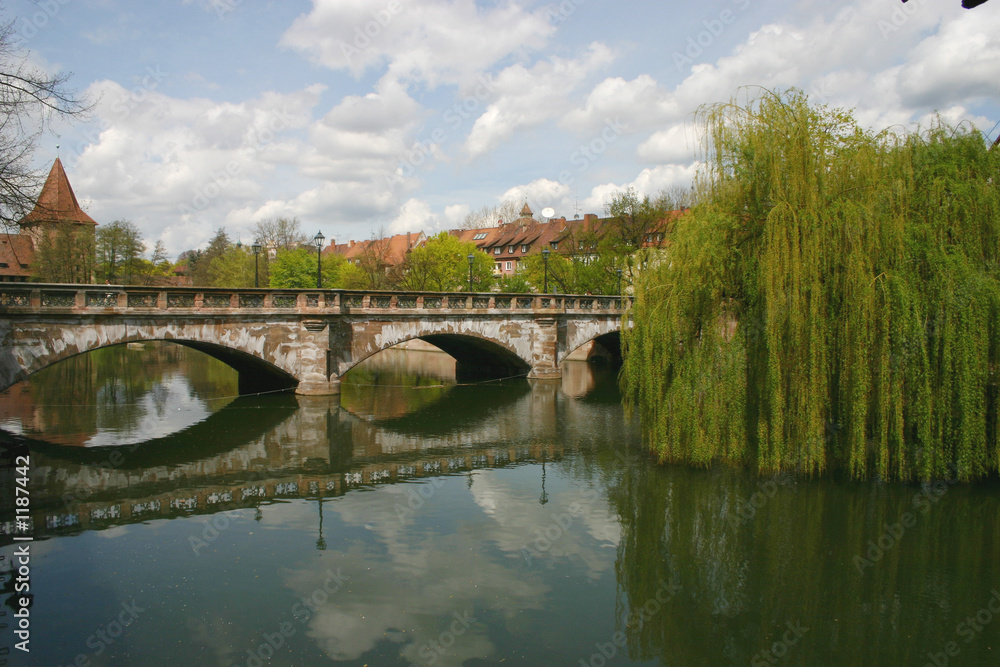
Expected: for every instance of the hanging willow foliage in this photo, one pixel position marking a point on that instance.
(832, 303)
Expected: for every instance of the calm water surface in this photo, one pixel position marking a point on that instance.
(414, 522)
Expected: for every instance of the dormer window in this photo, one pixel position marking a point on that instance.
(511, 249)
(497, 250)
(525, 247)
(554, 244)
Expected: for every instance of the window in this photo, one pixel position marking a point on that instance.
(3, 265)
(581, 245)
(511, 249)
(525, 247)
(554, 244)
(508, 266)
(24, 266)
(479, 237)
(499, 268)
(497, 250)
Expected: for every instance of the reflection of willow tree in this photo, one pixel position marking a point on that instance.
(744, 577)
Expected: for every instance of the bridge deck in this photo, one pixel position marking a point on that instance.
(62, 299)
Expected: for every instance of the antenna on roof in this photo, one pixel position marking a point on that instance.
(576, 216)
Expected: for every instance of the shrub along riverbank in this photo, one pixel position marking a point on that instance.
(831, 302)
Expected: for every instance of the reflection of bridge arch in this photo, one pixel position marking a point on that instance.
(305, 339)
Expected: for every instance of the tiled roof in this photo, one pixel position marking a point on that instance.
(57, 203)
(398, 246)
(17, 252)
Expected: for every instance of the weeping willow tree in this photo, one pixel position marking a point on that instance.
(831, 303)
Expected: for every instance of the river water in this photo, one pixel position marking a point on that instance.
(411, 521)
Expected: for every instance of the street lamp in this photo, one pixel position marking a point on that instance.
(318, 240)
(256, 255)
(619, 272)
(471, 258)
(545, 261)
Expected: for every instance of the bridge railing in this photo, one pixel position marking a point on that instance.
(37, 297)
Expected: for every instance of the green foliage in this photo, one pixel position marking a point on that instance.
(65, 256)
(233, 268)
(119, 253)
(297, 269)
(831, 302)
(442, 265)
(199, 262)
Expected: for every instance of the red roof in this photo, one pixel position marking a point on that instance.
(57, 203)
(16, 255)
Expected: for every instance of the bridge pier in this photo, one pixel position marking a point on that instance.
(315, 384)
(545, 351)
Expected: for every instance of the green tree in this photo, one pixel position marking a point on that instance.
(442, 265)
(233, 268)
(297, 269)
(199, 262)
(830, 302)
(119, 252)
(64, 256)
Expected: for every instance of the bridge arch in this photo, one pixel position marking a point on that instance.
(478, 354)
(249, 355)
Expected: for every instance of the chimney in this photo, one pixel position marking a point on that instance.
(408, 246)
(350, 244)
(589, 216)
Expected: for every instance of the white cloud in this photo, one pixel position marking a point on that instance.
(541, 193)
(526, 97)
(648, 182)
(434, 41)
(414, 216)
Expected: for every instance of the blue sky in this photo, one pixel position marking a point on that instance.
(361, 116)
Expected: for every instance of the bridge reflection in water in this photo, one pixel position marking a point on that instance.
(526, 506)
(380, 431)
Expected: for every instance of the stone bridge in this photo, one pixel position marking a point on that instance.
(302, 339)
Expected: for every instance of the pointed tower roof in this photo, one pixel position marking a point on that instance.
(57, 203)
(526, 211)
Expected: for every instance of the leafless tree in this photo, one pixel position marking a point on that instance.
(29, 99)
(491, 216)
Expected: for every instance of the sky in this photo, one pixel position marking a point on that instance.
(371, 117)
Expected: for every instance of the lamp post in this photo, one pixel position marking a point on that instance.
(318, 240)
(619, 272)
(471, 258)
(256, 263)
(545, 261)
